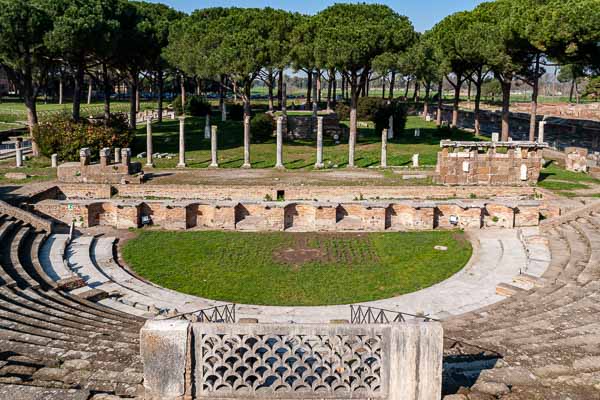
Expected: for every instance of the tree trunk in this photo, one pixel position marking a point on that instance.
(426, 101)
(334, 90)
(572, 90)
(77, 93)
(137, 98)
(106, 89)
(416, 92)
(32, 119)
(329, 88)
(506, 85)
(182, 88)
(319, 86)
(161, 88)
(247, 132)
(309, 88)
(280, 89)
(353, 125)
(343, 86)
(476, 111)
(392, 84)
(438, 120)
(534, 100)
(133, 87)
(222, 92)
(407, 88)
(270, 85)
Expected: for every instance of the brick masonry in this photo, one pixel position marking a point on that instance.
(296, 216)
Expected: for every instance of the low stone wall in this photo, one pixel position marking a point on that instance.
(27, 217)
(292, 361)
(297, 216)
(559, 132)
(289, 192)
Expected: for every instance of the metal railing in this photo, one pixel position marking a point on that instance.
(217, 314)
(374, 315)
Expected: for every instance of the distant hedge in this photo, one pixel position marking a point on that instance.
(61, 135)
(378, 111)
(196, 106)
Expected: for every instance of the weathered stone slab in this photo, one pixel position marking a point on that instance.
(164, 346)
(15, 392)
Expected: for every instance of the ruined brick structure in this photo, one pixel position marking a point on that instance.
(298, 215)
(305, 127)
(489, 163)
(120, 171)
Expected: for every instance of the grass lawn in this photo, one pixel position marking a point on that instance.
(299, 269)
(298, 154)
(37, 169)
(563, 182)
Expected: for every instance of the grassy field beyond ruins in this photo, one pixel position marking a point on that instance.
(300, 269)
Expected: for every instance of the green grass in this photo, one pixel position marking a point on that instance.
(299, 154)
(243, 268)
(563, 182)
(37, 169)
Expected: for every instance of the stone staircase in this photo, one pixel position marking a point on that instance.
(543, 342)
(52, 342)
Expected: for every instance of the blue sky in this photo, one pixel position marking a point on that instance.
(423, 13)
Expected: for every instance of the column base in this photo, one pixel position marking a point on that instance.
(180, 165)
(319, 166)
(150, 165)
(383, 166)
(280, 167)
(246, 166)
(351, 166)
(213, 166)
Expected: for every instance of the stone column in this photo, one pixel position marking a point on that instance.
(54, 160)
(19, 153)
(384, 138)
(84, 156)
(495, 136)
(319, 163)
(104, 157)
(117, 155)
(279, 163)
(149, 147)
(390, 130)
(126, 156)
(541, 132)
(247, 142)
(213, 147)
(415, 161)
(181, 163)
(284, 98)
(224, 112)
(207, 128)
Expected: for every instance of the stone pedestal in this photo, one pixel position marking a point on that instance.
(384, 139)
(319, 163)
(19, 153)
(541, 132)
(279, 162)
(207, 127)
(247, 142)
(54, 160)
(415, 160)
(104, 157)
(213, 148)
(284, 98)
(85, 156)
(149, 147)
(126, 156)
(181, 163)
(118, 155)
(495, 136)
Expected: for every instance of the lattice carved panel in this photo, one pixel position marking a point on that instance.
(279, 364)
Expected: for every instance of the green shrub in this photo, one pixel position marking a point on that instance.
(235, 111)
(61, 135)
(378, 111)
(261, 127)
(195, 106)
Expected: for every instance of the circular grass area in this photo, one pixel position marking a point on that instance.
(296, 269)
